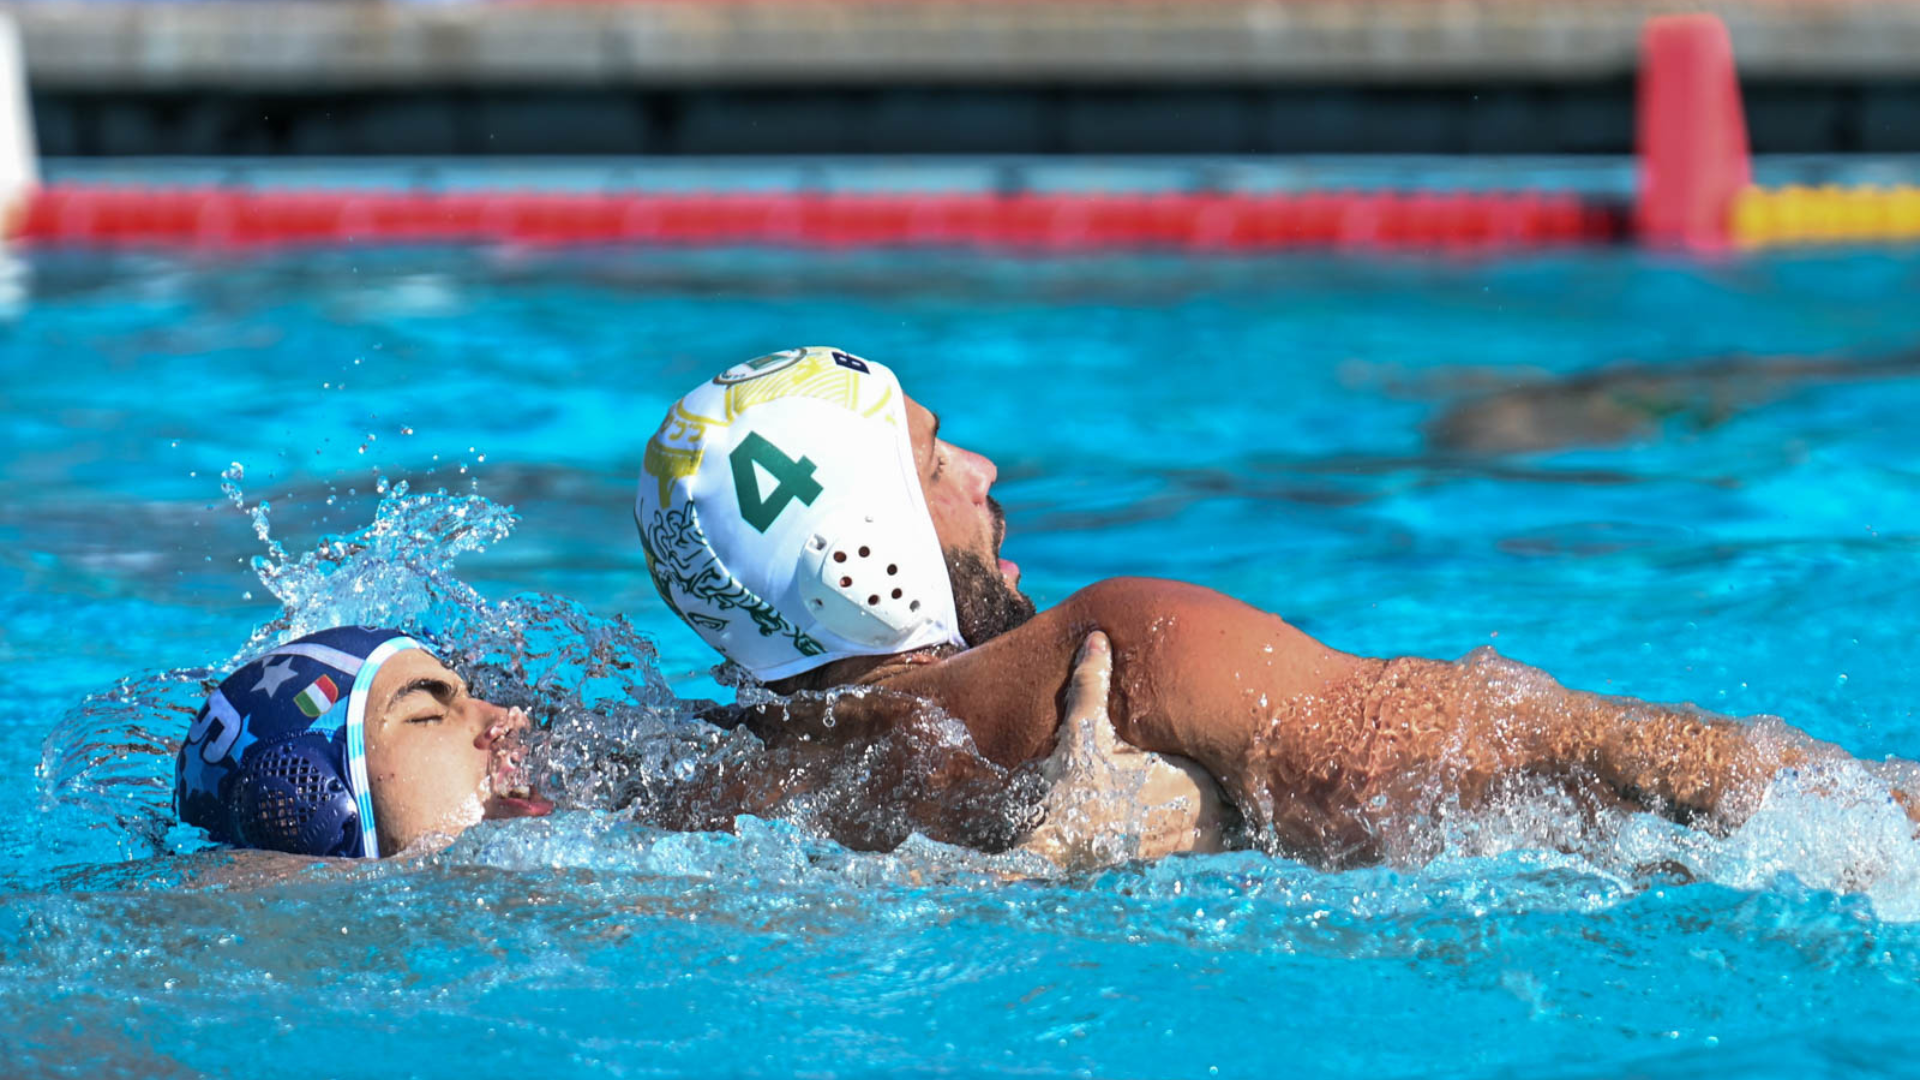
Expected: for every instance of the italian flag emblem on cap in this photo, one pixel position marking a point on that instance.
(315, 700)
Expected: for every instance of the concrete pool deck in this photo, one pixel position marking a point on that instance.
(319, 44)
(666, 78)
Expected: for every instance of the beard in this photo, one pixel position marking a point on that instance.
(982, 600)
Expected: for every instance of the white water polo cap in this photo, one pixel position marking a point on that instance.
(783, 520)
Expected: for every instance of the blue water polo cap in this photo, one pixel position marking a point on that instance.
(277, 757)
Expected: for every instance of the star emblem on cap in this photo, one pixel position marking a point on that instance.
(271, 677)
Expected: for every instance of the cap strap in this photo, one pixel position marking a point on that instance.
(357, 736)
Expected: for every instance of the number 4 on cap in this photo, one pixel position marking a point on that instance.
(792, 480)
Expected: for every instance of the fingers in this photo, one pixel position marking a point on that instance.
(1092, 678)
(1076, 771)
(1095, 643)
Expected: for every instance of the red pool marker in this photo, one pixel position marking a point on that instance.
(1692, 133)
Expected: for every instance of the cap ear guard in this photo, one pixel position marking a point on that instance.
(291, 797)
(860, 577)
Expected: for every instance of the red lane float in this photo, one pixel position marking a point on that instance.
(224, 218)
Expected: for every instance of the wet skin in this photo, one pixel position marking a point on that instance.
(1340, 756)
(440, 760)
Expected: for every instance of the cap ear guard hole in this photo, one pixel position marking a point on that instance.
(859, 605)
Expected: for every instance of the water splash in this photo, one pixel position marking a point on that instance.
(1831, 827)
(396, 571)
(106, 769)
(610, 734)
(620, 751)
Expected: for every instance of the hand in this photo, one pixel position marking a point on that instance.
(1108, 801)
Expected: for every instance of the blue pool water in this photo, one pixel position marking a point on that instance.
(1263, 427)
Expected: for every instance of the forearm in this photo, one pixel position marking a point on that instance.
(863, 786)
(707, 796)
(1486, 717)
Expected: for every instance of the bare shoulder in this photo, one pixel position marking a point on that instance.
(1009, 690)
(1160, 623)
(245, 869)
(1135, 603)
(1006, 691)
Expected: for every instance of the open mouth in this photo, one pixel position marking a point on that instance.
(1008, 568)
(518, 802)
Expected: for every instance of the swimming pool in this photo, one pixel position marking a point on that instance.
(1272, 428)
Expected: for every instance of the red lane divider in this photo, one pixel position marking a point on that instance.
(219, 217)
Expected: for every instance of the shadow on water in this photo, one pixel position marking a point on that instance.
(1488, 436)
(1616, 404)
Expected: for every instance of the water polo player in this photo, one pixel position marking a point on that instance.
(803, 516)
(353, 742)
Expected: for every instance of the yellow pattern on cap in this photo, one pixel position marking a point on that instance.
(815, 376)
(675, 450)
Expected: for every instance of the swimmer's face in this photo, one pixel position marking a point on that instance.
(439, 759)
(971, 528)
(956, 483)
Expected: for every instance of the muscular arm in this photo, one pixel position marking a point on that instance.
(1195, 672)
(1328, 749)
(866, 766)
(864, 784)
